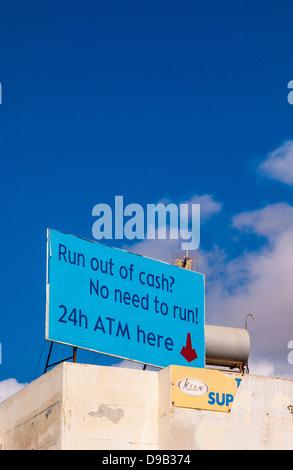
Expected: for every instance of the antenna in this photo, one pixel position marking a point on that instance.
(189, 262)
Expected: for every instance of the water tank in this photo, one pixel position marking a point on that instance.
(225, 346)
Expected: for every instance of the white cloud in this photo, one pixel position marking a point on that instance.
(263, 368)
(125, 364)
(258, 282)
(270, 221)
(208, 205)
(166, 250)
(279, 163)
(9, 387)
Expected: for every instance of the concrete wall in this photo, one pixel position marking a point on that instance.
(109, 408)
(259, 420)
(32, 418)
(79, 406)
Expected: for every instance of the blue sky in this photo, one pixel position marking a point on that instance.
(152, 100)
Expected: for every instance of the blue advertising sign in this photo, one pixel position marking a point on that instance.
(114, 302)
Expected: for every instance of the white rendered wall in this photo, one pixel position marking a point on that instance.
(79, 406)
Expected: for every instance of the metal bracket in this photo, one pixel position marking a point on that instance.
(58, 362)
(248, 315)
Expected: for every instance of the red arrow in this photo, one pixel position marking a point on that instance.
(187, 352)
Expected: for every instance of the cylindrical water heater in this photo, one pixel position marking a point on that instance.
(225, 346)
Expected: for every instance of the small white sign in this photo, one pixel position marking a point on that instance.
(193, 387)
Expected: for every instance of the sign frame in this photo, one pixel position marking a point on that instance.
(143, 359)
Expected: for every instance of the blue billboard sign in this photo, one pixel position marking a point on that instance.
(114, 302)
